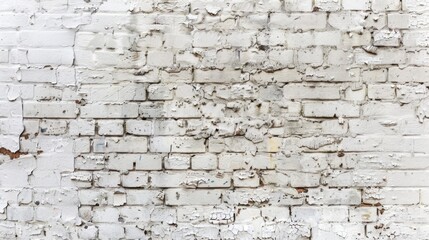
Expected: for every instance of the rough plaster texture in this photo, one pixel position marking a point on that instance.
(223, 119)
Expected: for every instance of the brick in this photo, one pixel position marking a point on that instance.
(144, 197)
(123, 6)
(413, 6)
(110, 127)
(245, 179)
(105, 214)
(177, 144)
(332, 74)
(373, 76)
(113, 93)
(301, 40)
(418, 58)
(376, 21)
(47, 93)
(361, 144)
(383, 57)
(241, 40)
(178, 41)
(339, 57)
(63, 56)
(160, 58)
(177, 161)
(327, 5)
(14, 178)
(416, 38)
(50, 110)
(161, 214)
(38, 75)
(409, 74)
(271, 93)
(92, 197)
(389, 196)
(216, 76)
(355, 93)
(298, 6)
(333, 197)
(121, 145)
(275, 213)
(371, 126)
(353, 40)
(383, 110)
(262, 196)
(320, 214)
(180, 109)
(347, 21)
(20, 213)
(53, 127)
(107, 179)
(160, 92)
(407, 21)
(205, 39)
(381, 92)
(363, 214)
(329, 230)
(240, 145)
(281, 56)
(88, 232)
(168, 127)
(190, 180)
(134, 179)
(406, 179)
(327, 38)
(255, 21)
(14, 20)
(137, 127)
(411, 214)
(90, 162)
(110, 230)
(8, 39)
(149, 162)
(99, 110)
(184, 76)
(387, 38)
(302, 21)
(46, 38)
(302, 179)
(4, 56)
(135, 213)
(327, 109)
(312, 56)
(204, 161)
(386, 5)
(356, 5)
(82, 127)
(180, 197)
(296, 91)
(233, 161)
(356, 178)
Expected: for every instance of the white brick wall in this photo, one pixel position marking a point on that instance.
(226, 119)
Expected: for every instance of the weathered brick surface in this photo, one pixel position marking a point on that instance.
(214, 119)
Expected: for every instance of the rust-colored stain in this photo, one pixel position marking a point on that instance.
(26, 136)
(12, 155)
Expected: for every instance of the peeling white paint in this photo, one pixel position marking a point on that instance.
(244, 119)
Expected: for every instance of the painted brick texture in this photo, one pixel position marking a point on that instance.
(214, 119)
